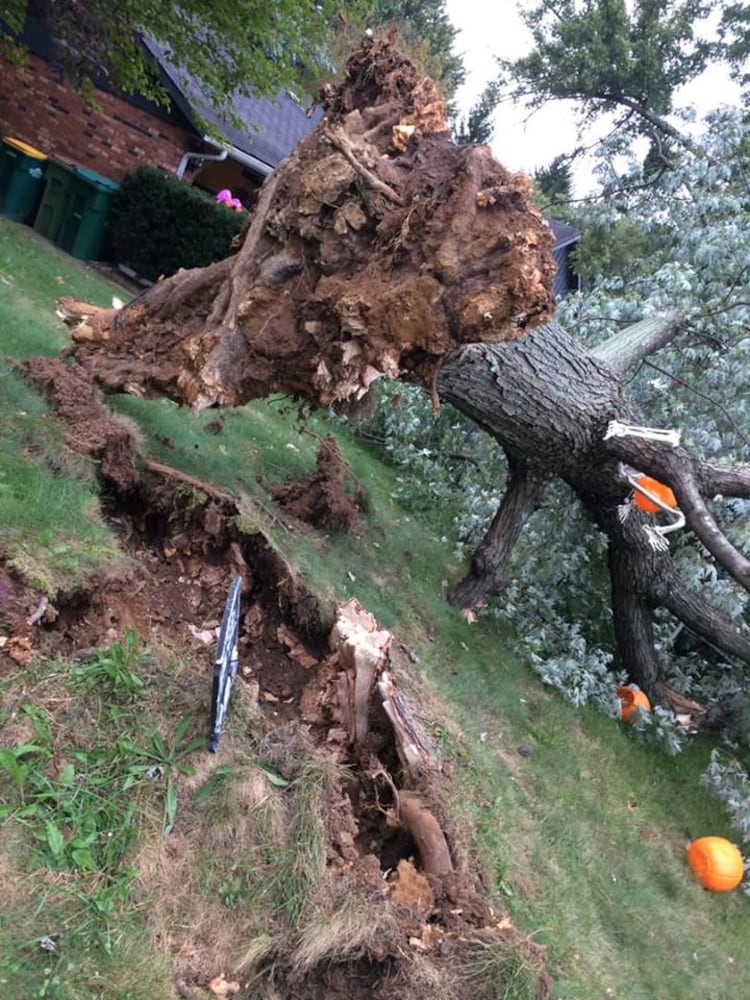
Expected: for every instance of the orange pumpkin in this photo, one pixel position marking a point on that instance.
(631, 700)
(658, 489)
(716, 863)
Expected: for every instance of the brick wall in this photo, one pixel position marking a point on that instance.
(37, 106)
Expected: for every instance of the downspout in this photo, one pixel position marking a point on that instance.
(247, 159)
(198, 156)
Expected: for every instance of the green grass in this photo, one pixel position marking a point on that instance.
(50, 528)
(33, 275)
(585, 837)
(76, 798)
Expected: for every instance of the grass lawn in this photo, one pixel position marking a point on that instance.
(584, 833)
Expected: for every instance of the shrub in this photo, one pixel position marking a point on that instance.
(159, 225)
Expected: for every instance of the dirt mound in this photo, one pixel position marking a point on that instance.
(321, 499)
(91, 429)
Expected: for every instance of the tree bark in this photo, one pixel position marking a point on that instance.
(381, 249)
(549, 404)
(490, 570)
(636, 342)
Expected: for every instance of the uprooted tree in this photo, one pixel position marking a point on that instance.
(379, 248)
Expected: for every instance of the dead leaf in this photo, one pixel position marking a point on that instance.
(411, 890)
(19, 649)
(221, 987)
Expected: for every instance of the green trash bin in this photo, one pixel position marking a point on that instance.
(57, 199)
(84, 230)
(21, 179)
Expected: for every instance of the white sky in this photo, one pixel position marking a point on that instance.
(488, 30)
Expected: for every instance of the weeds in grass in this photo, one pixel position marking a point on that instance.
(114, 668)
(165, 761)
(81, 794)
(505, 971)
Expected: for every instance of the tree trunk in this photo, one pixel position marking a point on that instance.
(549, 405)
(380, 249)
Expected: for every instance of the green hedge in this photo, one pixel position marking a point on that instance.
(158, 225)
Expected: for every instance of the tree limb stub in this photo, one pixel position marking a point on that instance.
(426, 833)
(637, 341)
(376, 248)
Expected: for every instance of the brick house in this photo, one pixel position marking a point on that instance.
(124, 132)
(119, 133)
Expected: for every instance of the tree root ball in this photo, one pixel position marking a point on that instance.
(378, 247)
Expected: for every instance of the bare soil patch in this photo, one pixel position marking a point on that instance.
(399, 910)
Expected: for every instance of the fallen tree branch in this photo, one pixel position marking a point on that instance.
(675, 467)
(718, 480)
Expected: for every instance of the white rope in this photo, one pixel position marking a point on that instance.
(617, 429)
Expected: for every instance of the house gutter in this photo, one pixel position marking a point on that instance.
(247, 159)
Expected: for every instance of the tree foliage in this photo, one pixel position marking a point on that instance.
(245, 47)
(553, 183)
(425, 25)
(735, 35)
(476, 125)
(609, 55)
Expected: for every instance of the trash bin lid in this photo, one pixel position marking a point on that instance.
(24, 147)
(104, 183)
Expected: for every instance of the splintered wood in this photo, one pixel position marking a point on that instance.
(362, 648)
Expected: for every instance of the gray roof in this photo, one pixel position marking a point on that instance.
(274, 126)
(563, 234)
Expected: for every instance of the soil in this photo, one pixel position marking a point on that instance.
(321, 499)
(184, 545)
(376, 248)
(91, 427)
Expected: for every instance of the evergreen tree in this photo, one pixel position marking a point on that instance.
(554, 183)
(476, 125)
